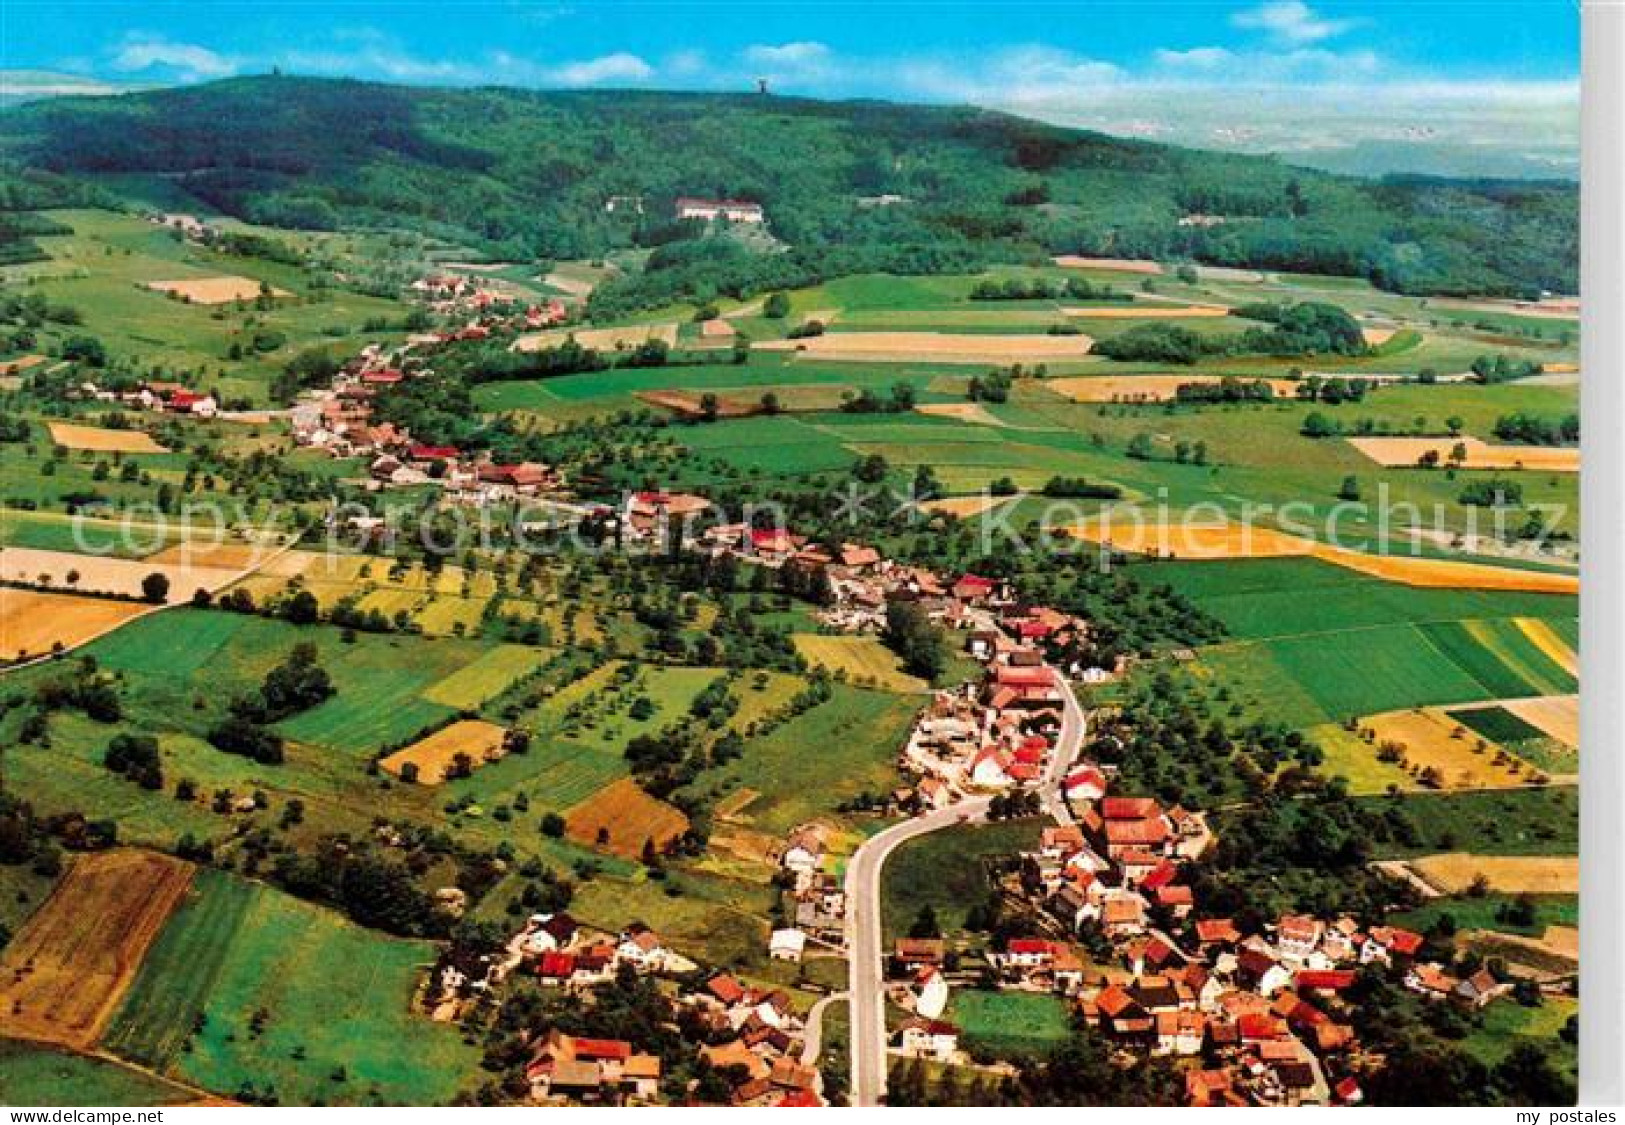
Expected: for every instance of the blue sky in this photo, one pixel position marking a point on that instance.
(1340, 83)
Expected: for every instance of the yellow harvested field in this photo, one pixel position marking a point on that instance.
(1544, 637)
(1405, 452)
(963, 411)
(1454, 872)
(965, 507)
(228, 556)
(599, 339)
(934, 347)
(863, 659)
(717, 329)
(1199, 540)
(101, 440)
(1122, 265)
(214, 290)
(100, 575)
(1430, 741)
(1148, 312)
(33, 622)
(1375, 337)
(1193, 541)
(1144, 388)
(433, 756)
(64, 973)
(1556, 716)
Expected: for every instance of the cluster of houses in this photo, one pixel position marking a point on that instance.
(1260, 1016)
(819, 901)
(488, 304)
(752, 1035)
(158, 396)
(340, 420)
(754, 1038)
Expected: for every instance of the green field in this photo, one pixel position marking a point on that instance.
(334, 996)
(944, 870)
(1517, 822)
(1307, 680)
(383, 682)
(1481, 913)
(1506, 1025)
(1259, 599)
(32, 1075)
(838, 750)
(1009, 1025)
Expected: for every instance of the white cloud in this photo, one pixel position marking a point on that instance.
(1290, 21)
(622, 66)
(141, 52)
(1197, 58)
(1017, 76)
(799, 54)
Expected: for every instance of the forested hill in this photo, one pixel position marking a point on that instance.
(529, 173)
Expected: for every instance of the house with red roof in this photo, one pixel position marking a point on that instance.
(928, 1039)
(1085, 784)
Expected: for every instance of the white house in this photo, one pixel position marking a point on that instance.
(932, 997)
(928, 1039)
(786, 945)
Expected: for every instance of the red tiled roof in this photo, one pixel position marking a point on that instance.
(432, 452)
(1329, 980)
(1217, 930)
(1256, 1025)
(1007, 675)
(1129, 808)
(1029, 946)
(1160, 876)
(603, 1049)
(558, 965)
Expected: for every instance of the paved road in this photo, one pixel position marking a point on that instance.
(866, 955)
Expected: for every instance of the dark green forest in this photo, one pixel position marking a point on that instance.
(527, 174)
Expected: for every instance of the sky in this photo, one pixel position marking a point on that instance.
(1488, 87)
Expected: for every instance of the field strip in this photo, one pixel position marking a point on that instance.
(1405, 452)
(599, 339)
(1455, 872)
(1231, 541)
(934, 347)
(1545, 638)
(1140, 312)
(1120, 265)
(1114, 388)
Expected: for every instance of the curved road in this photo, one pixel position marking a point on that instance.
(865, 952)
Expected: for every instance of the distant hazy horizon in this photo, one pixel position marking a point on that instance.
(1361, 87)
